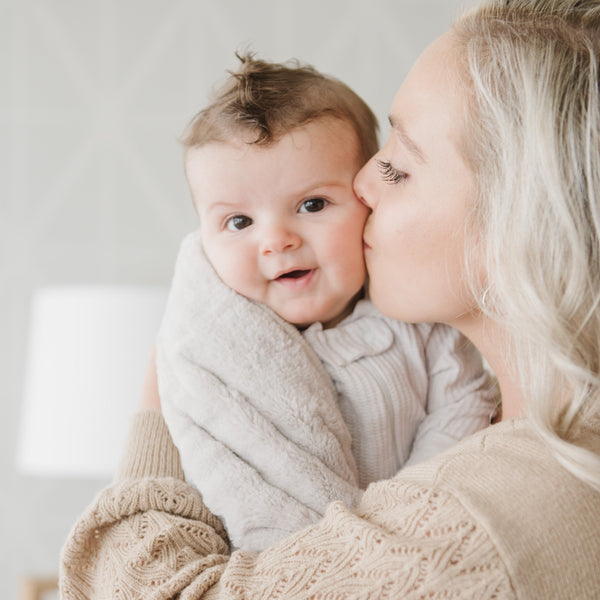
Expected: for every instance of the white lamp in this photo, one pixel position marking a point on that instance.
(87, 354)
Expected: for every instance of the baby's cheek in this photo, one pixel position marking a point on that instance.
(348, 248)
(241, 274)
(354, 268)
(222, 262)
(231, 273)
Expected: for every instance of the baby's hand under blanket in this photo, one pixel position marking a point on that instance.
(150, 399)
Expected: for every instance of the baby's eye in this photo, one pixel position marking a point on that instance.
(238, 222)
(313, 205)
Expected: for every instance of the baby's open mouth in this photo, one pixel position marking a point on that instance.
(297, 274)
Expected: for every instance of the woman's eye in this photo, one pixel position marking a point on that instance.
(313, 205)
(389, 173)
(238, 222)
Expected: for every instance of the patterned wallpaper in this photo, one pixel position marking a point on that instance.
(92, 98)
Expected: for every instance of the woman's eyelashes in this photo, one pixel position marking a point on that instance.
(313, 205)
(389, 173)
(238, 222)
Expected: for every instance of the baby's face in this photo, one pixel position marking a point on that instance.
(281, 224)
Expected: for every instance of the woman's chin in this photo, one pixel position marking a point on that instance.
(391, 304)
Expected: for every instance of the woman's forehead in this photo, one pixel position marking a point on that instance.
(428, 106)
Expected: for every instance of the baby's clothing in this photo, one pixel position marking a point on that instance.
(406, 391)
(269, 444)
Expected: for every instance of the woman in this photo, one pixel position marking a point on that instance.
(486, 216)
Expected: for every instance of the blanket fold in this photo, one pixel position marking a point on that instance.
(250, 407)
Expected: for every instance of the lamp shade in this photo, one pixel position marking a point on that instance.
(87, 354)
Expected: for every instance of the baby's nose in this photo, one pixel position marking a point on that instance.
(279, 239)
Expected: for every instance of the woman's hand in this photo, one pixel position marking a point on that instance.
(150, 399)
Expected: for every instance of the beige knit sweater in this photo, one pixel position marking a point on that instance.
(495, 517)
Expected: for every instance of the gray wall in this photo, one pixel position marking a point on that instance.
(93, 95)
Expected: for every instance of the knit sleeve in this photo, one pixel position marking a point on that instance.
(148, 531)
(153, 538)
(460, 397)
(149, 450)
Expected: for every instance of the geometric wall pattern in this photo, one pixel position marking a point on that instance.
(93, 95)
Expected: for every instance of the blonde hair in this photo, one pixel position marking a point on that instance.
(533, 140)
(262, 101)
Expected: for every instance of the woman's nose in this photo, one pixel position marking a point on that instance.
(363, 185)
(277, 238)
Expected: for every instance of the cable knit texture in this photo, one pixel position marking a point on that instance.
(262, 433)
(494, 518)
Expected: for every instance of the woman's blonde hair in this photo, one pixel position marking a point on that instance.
(533, 139)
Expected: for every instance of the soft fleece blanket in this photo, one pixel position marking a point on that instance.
(250, 407)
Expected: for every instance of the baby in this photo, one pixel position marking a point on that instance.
(270, 165)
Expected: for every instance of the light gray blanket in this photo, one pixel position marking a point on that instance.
(250, 407)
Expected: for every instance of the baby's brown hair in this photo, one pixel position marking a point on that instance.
(263, 101)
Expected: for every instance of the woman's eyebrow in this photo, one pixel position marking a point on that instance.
(410, 144)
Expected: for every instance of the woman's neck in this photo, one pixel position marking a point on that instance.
(493, 341)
